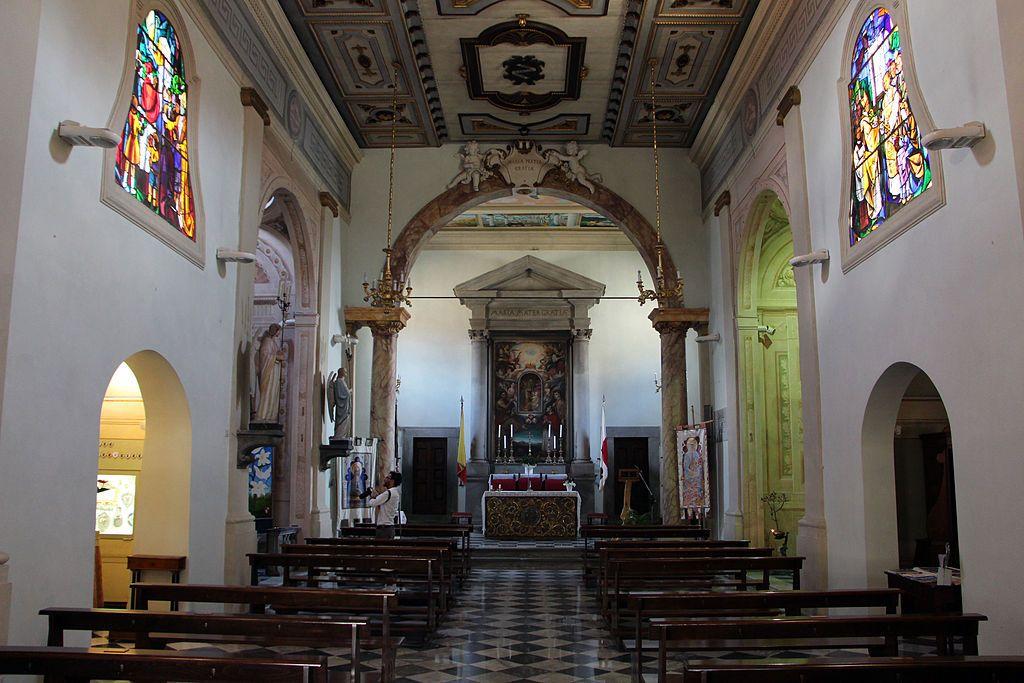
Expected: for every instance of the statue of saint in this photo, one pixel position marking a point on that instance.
(269, 357)
(339, 402)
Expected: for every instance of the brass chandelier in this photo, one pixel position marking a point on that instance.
(662, 292)
(390, 290)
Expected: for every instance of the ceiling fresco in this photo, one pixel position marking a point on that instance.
(496, 69)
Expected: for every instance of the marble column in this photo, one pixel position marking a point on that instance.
(478, 432)
(239, 525)
(383, 392)
(812, 540)
(5, 598)
(581, 468)
(673, 410)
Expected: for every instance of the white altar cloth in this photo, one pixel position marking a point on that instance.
(536, 494)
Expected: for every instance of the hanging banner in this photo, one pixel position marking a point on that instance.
(692, 462)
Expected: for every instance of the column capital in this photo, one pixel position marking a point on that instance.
(581, 334)
(384, 322)
(328, 200)
(479, 335)
(666, 320)
(724, 200)
(789, 100)
(251, 98)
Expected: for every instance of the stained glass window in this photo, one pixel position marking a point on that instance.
(152, 159)
(890, 165)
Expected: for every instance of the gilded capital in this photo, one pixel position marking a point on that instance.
(667, 320)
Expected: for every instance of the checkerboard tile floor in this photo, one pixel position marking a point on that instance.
(519, 625)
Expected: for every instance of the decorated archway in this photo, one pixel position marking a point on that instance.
(439, 211)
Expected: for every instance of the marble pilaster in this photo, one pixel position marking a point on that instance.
(479, 437)
(672, 324)
(383, 375)
(5, 598)
(581, 395)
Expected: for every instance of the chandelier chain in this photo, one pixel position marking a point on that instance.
(657, 164)
(391, 165)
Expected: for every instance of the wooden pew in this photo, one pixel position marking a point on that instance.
(873, 669)
(454, 531)
(878, 634)
(608, 554)
(591, 533)
(644, 607)
(590, 558)
(416, 579)
(156, 629)
(460, 560)
(445, 577)
(689, 574)
(81, 665)
(375, 606)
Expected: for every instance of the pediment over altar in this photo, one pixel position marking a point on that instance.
(530, 294)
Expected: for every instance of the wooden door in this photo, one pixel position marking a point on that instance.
(628, 452)
(429, 476)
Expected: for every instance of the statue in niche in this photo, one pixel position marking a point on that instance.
(339, 403)
(269, 359)
(474, 168)
(570, 161)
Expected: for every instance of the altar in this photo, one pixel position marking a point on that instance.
(530, 514)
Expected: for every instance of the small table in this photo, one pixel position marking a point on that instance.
(923, 595)
(161, 563)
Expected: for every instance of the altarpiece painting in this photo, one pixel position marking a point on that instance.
(530, 397)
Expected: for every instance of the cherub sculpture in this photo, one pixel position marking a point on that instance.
(474, 168)
(570, 161)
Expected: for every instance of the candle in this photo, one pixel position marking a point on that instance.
(559, 431)
(512, 432)
(549, 430)
(638, 278)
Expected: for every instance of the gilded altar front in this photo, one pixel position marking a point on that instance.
(531, 514)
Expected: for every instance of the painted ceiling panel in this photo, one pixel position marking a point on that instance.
(588, 80)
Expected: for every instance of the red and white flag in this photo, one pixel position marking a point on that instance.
(604, 450)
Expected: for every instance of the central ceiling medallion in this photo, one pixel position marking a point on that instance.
(523, 66)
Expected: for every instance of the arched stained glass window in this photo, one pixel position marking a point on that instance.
(890, 165)
(152, 161)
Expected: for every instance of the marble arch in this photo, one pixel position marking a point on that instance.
(436, 213)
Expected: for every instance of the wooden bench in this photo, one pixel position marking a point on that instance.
(607, 555)
(878, 634)
(420, 595)
(445, 575)
(80, 665)
(872, 669)
(689, 574)
(590, 557)
(644, 607)
(454, 531)
(376, 607)
(460, 560)
(591, 533)
(156, 629)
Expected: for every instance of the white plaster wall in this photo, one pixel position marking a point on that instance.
(91, 289)
(434, 349)
(944, 296)
(422, 174)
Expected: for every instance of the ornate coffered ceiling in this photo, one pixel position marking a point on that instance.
(496, 69)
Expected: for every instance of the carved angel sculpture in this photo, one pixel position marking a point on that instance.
(571, 164)
(473, 167)
(339, 402)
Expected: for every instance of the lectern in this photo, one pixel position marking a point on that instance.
(628, 476)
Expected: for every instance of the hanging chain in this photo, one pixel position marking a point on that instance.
(391, 167)
(657, 166)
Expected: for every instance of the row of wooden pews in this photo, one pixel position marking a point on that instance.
(349, 596)
(679, 593)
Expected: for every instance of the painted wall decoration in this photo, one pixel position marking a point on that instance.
(115, 504)
(152, 161)
(890, 165)
(530, 390)
(261, 481)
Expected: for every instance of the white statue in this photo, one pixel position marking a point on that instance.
(473, 167)
(570, 162)
(339, 402)
(269, 357)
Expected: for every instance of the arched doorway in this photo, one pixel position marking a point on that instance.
(771, 415)
(143, 472)
(909, 482)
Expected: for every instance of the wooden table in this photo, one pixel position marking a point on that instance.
(161, 563)
(922, 595)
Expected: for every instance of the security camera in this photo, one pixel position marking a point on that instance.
(820, 256)
(966, 135)
(83, 136)
(766, 329)
(232, 256)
